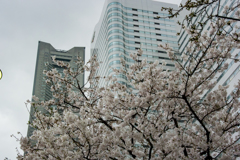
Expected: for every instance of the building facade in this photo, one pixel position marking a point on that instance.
(128, 25)
(44, 55)
(232, 74)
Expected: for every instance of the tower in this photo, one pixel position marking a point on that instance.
(44, 55)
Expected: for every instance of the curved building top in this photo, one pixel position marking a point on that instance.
(148, 5)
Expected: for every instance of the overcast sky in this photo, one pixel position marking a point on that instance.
(62, 23)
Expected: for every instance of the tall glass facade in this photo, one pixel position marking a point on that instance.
(231, 75)
(128, 25)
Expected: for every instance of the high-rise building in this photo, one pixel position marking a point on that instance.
(44, 55)
(128, 25)
(231, 75)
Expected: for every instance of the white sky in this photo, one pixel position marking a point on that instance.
(23, 23)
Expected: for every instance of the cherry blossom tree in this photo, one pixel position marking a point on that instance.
(197, 13)
(162, 116)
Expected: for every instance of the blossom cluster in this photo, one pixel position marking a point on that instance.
(163, 116)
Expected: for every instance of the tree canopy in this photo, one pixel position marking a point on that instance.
(163, 115)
